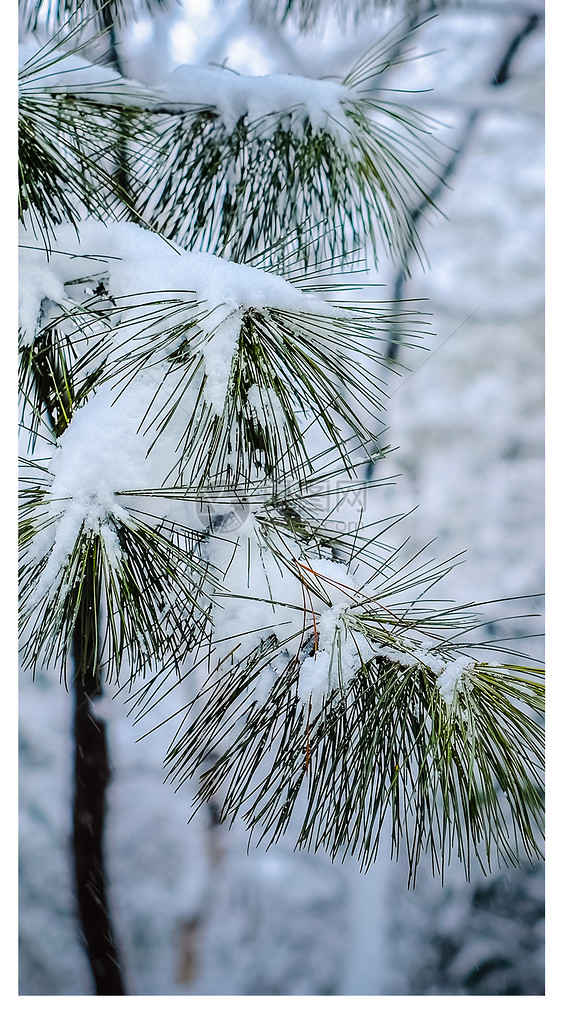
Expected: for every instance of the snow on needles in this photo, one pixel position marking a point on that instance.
(453, 678)
(37, 282)
(338, 653)
(55, 72)
(235, 96)
(138, 262)
(320, 104)
(332, 666)
(100, 453)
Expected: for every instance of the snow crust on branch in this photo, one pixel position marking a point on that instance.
(140, 260)
(140, 265)
(100, 453)
(410, 653)
(234, 96)
(451, 677)
(454, 677)
(231, 96)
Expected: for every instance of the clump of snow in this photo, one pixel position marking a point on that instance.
(147, 264)
(329, 623)
(340, 649)
(138, 261)
(100, 453)
(265, 597)
(453, 678)
(38, 281)
(218, 353)
(141, 268)
(409, 651)
(320, 103)
(337, 659)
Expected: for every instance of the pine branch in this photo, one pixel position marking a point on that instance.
(248, 160)
(354, 163)
(288, 370)
(308, 14)
(53, 13)
(143, 574)
(351, 704)
(238, 385)
(72, 119)
(456, 773)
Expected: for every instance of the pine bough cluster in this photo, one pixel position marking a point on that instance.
(192, 392)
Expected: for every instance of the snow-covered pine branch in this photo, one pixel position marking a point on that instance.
(361, 704)
(239, 364)
(72, 118)
(225, 162)
(168, 391)
(248, 160)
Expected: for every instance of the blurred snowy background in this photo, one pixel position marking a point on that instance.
(195, 913)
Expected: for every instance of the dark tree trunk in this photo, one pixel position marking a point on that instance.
(91, 776)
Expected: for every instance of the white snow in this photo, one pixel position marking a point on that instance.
(320, 103)
(137, 262)
(413, 649)
(100, 453)
(453, 679)
(219, 352)
(59, 72)
(37, 281)
(147, 263)
(338, 655)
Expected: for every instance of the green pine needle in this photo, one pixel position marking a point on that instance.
(35, 13)
(458, 780)
(70, 136)
(289, 371)
(142, 576)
